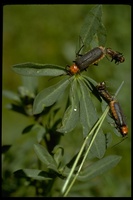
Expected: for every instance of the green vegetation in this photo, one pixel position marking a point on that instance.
(48, 34)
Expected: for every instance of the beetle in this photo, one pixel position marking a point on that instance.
(115, 55)
(92, 57)
(73, 69)
(101, 87)
(115, 109)
(89, 58)
(118, 116)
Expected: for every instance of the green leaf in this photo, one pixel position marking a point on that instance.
(11, 95)
(40, 133)
(102, 34)
(91, 25)
(49, 96)
(71, 116)
(99, 167)
(45, 157)
(99, 146)
(32, 173)
(99, 39)
(36, 69)
(58, 154)
(88, 117)
(90, 83)
(30, 83)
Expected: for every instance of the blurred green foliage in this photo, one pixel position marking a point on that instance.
(49, 34)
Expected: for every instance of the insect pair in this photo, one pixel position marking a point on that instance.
(92, 57)
(115, 109)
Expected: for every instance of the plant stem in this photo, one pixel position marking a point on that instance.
(99, 123)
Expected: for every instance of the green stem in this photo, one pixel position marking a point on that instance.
(65, 190)
(100, 121)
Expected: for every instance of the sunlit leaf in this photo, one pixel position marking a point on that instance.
(101, 34)
(36, 69)
(71, 116)
(91, 25)
(88, 117)
(49, 96)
